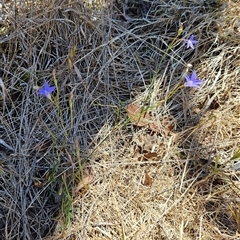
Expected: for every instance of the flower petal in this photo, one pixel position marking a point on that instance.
(187, 78)
(192, 37)
(191, 45)
(42, 91)
(51, 89)
(194, 76)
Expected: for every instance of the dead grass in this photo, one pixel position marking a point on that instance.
(177, 183)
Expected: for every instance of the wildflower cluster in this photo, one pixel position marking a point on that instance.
(192, 81)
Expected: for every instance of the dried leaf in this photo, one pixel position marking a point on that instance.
(137, 152)
(214, 105)
(39, 183)
(71, 57)
(87, 180)
(150, 155)
(154, 127)
(70, 64)
(150, 143)
(72, 52)
(147, 180)
(78, 72)
(137, 117)
(168, 124)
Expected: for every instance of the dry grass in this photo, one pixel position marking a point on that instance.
(104, 56)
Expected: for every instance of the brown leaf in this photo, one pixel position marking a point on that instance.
(150, 155)
(150, 143)
(154, 127)
(137, 153)
(168, 124)
(214, 105)
(137, 117)
(87, 180)
(147, 180)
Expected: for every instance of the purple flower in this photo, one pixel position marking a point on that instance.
(46, 90)
(191, 42)
(192, 81)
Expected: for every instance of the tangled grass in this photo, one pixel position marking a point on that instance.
(101, 57)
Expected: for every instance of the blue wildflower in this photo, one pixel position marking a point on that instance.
(46, 90)
(191, 42)
(192, 81)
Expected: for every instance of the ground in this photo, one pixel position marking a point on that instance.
(121, 148)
